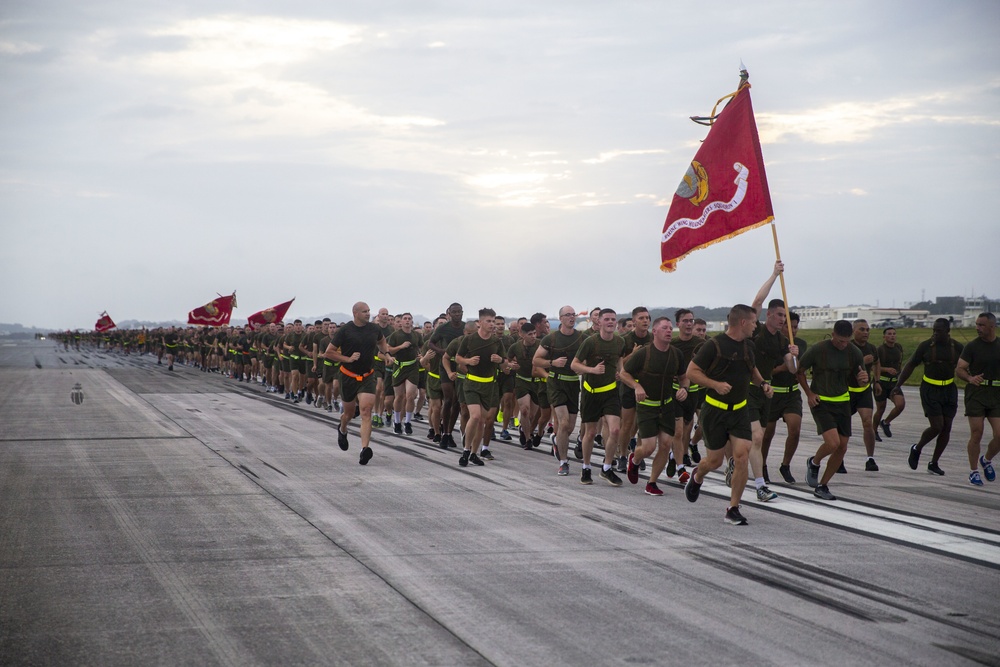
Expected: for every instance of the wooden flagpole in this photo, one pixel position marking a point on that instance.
(784, 294)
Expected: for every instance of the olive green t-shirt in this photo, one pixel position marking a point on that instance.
(656, 370)
(724, 360)
(558, 345)
(593, 351)
(474, 345)
(400, 337)
(865, 350)
(939, 359)
(769, 350)
(832, 369)
(784, 378)
(890, 357)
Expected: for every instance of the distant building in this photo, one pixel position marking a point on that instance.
(813, 317)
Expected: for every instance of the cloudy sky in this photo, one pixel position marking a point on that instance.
(520, 155)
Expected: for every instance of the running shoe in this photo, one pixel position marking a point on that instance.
(536, 440)
(934, 469)
(885, 428)
(671, 467)
(687, 460)
(419, 417)
(599, 440)
(734, 517)
(631, 445)
(730, 469)
(621, 464)
(632, 471)
(692, 489)
(578, 450)
(486, 454)
(464, 459)
(987, 469)
(505, 435)
(585, 476)
(522, 438)
(695, 454)
(430, 434)
(684, 477)
(342, 440)
(786, 474)
(397, 428)
(842, 470)
(812, 473)
(975, 479)
(610, 477)
(653, 490)
(563, 469)
(408, 428)
(476, 461)
(823, 493)
(878, 438)
(366, 456)
(764, 494)
(871, 466)
(914, 458)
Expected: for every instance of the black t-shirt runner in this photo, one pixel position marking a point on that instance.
(351, 338)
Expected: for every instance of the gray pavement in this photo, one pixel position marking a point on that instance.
(182, 518)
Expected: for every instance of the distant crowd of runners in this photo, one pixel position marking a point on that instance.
(645, 389)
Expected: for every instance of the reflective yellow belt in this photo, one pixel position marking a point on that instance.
(378, 358)
(693, 387)
(858, 390)
(655, 404)
(990, 383)
(565, 378)
(940, 383)
(599, 390)
(521, 377)
(725, 406)
(886, 378)
(846, 396)
(479, 378)
(327, 362)
(404, 364)
(434, 375)
(459, 376)
(785, 390)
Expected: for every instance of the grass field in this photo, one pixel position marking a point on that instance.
(908, 338)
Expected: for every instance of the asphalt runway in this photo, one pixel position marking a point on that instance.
(182, 518)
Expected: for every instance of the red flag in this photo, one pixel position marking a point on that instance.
(724, 192)
(215, 313)
(269, 315)
(104, 323)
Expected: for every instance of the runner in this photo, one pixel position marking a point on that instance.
(636, 336)
(939, 355)
(688, 342)
(554, 355)
(725, 366)
(384, 323)
(443, 335)
(862, 401)
(599, 360)
(980, 368)
(404, 345)
(354, 346)
(482, 354)
(833, 363)
(527, 382)
(653, 370)
(890, 361)
(786, 404)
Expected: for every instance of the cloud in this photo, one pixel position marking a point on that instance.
(18, 48)
(858, 121)
(607, 156)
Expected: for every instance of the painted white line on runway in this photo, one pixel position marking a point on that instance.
(924, 532)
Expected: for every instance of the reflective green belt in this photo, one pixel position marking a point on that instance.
(564, 378)
(858, 390)
(434, 375)
(459, 376)
(886, 378)
(990, 383)
(939, 383)
(655, 404)
(599, 390)
(479, 378)
(693, 387)
(725, 406)
(378, 358)
(846, 396)
(404, 364)
(327, 362)
(521, 377)
(785, 390)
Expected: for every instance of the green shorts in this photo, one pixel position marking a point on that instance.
(692, 403)
(542, 393)
(506, 381)
(351, 387)
(627, 396)
(785, 402)
(409, 372)
(434, 386)
(593, 406)
(524, 388)
(887, 388)
(564, 392)
(422, 378)
(982, 401)
(655, 420)
(862, 399)
(718, 425)
(830, 415)
(759, 406)
(330, 370)
(484, 394)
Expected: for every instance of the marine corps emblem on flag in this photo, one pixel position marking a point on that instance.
(268, 315)
(211, 309)
(214, 313)
(724, 191)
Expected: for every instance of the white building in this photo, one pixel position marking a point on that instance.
(813, 317)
